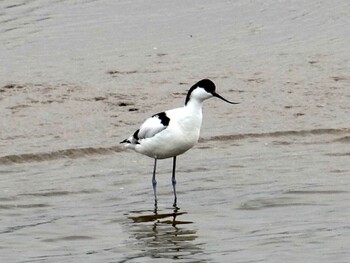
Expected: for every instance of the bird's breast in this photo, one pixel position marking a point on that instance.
(188, 129)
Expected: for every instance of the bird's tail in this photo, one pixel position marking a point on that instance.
(131, 141)
(127, 144)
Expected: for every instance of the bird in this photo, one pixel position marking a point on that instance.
(173, 132)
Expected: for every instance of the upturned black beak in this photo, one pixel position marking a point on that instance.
(218, 96)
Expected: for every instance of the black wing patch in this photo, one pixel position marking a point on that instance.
(136, 136)
(163, 118)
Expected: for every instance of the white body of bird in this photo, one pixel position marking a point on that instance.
(181, 135)
(172, 132)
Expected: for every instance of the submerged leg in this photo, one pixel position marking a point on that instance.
(154, 183)
(173, 180)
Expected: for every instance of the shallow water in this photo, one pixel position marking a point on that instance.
(269, 179)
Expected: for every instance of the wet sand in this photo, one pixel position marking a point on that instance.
(267, 182)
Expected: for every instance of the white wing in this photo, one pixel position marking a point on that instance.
(149, 128)
(153, 125)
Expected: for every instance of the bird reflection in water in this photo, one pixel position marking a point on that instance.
(167, 237)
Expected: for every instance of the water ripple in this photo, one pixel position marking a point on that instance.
(49, 156)
(91, 151)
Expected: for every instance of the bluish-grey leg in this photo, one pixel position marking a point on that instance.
(173, 180)
(154, 183)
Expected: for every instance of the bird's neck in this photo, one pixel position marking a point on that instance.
(194, 105)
